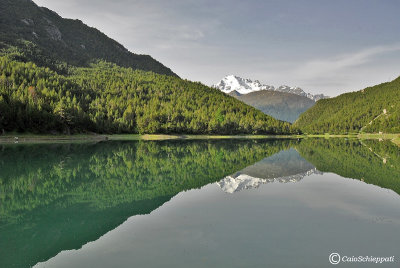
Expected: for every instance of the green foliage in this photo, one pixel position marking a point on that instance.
(105, 98)
(75, 90)
(357, 111)
(387, 123)
(37, 34)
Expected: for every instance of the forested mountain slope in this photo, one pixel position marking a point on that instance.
(106, 98)
(60, 76)
(37, 34)
(374, 109)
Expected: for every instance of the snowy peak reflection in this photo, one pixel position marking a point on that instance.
(283, 167)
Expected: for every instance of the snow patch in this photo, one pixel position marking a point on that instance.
(232, 83)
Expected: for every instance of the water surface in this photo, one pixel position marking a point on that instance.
(226, 203)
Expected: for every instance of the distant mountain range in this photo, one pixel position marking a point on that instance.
(280, 105)
(283, 103)
(243, 86)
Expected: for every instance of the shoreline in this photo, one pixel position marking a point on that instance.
(395, 138)
(37, 138)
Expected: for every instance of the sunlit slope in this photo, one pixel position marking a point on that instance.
(374, 109)
(106, 98)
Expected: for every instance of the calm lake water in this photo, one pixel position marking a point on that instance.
(221, 203)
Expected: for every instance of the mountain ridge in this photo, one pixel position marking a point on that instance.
(280, 105)
(283, 103)
(244, 86)
(61, 76)
(40, 35)
(371, 110)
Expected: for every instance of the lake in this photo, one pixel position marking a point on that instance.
(200, 203)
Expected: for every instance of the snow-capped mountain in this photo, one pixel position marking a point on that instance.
(300, 92)
(243, 86)
(239, 182)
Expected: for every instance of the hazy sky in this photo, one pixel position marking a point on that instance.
(322, 46)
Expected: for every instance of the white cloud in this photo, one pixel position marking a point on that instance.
(205, 40)
(336, 74)
(342, 63)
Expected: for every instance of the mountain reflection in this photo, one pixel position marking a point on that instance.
(372, 161)
(283, 167)
(60, 197)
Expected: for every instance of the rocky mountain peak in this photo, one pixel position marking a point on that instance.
(243, 86)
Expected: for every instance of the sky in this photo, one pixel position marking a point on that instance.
(322, 46)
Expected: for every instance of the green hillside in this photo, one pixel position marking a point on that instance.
(280, 105)
(60, 76)
(371, 110)
(106, 98)
(37, 34)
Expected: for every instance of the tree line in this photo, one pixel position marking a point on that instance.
(106, 98)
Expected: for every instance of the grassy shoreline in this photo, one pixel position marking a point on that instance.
(395, 138)
(38, 138)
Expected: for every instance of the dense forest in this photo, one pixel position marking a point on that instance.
(60, 196)
(60, 76)
(106, 98)
(37, 34)
(372, 110)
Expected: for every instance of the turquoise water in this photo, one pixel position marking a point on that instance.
(226, 203)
